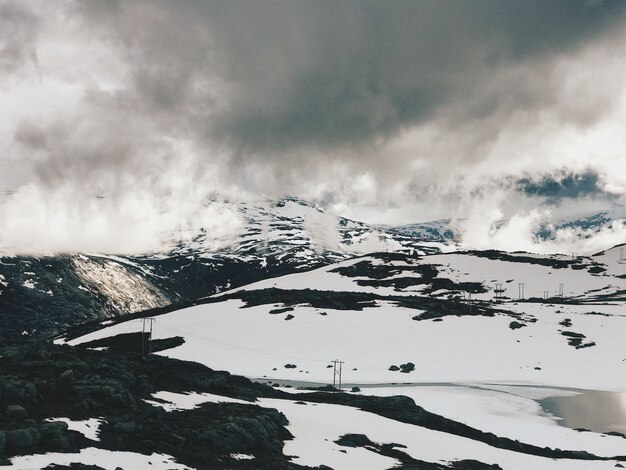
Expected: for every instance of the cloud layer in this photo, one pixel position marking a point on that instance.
(127, 116)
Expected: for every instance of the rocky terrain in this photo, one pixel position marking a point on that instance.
(44, 387)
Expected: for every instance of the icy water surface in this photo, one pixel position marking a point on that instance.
(593, 410)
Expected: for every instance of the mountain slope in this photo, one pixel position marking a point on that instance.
(44, 295)
(390, 309)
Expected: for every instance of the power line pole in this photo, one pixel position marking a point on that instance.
(337, 366)
(621, 255)
(150, 321)
(561, 290)
(545, 294)
(520, 286)
(467, 296)
(499, 291)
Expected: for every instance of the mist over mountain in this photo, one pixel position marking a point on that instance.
(121, 121)
(43, 295)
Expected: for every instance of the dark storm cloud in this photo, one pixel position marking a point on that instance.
(378, 105)
(271, 76)
(368, 70)
(567, 186)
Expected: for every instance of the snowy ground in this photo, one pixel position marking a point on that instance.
(109, 460)
(508, 411)
(469, 353)
(254, 343)
(316, 426)
(503, 410)
(538, 279)
(88, 428)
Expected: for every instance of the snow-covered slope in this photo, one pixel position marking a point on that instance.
(386, 310)
(406, 325)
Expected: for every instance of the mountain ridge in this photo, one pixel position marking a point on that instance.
(289, 235)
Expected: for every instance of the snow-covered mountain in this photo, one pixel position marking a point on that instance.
(586, 223)
(437, 230)
(582, 224)
(44, 295)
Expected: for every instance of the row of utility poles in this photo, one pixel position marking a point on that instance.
(521, 293)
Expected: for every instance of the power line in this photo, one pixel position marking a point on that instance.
(230, 345)
(337, 366)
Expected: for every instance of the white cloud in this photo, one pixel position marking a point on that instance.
(98, 103)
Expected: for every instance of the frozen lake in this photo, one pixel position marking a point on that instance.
(596, 411)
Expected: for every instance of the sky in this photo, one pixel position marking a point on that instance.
(122, 121)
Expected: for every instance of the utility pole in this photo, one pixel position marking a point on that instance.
(561, 290)
(621, 255)
(467, 296)
(150, 321)
(337, 366)
(520, 286)
(545, 294)
(498, 291)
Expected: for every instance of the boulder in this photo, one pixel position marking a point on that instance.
(353, 440)
(67, 376)
(12, 352)
(22, 439)
(210, 437)
(53, 430)
(125, 426)
(59, 443)
(19, 391)
(16, 412)
(144, 384)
